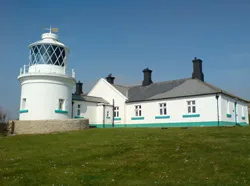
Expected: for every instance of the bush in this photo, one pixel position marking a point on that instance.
(3, 116)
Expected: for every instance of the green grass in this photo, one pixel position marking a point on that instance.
(193, 156)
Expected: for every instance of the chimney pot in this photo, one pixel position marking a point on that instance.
(110, 78)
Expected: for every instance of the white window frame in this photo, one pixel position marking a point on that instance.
(192, 105)
(61, 105)
(24, 103)
(138, 110)
(116, 112)
(163, 109)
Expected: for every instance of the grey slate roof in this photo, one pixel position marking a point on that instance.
(170, 89)
(122, 89)
(88, 98)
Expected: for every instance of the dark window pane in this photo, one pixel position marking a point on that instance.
(194, 109)
(189, 109)
(165, 111)
(160, 111)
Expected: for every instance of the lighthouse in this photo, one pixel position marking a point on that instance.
(46, 82)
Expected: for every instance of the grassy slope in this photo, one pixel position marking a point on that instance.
(193, 156)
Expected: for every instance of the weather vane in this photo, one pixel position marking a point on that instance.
(51, 29)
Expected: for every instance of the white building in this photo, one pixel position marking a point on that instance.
(175, 103)
(46, 86)
(46, 94)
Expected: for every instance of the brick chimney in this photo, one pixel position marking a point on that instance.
(197, 69)
(110, 79)
(147, 77)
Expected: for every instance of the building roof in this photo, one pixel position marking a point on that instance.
(84, 97)
(170, 89)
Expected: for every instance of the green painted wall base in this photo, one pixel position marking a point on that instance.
(61, 111)
(78, 117)
(23, 111)
(184, 124)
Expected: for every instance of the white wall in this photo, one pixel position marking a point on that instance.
(42, 95)
(93, 111)
(206, 106)
(87, 110)
(108, 92)
(241, 110)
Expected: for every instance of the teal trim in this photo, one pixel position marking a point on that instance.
(243, 117)
(243, 123)
(117, 119)
(229, 115)
(137, 118)
(78, 117)
(23, 111)
(191, 115)
(61, 111)
(107, 117)
(162, 117)
(182, 124)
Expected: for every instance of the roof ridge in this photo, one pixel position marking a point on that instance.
(120, 85)
(221, 90)
(163, 81)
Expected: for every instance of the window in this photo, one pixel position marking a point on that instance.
(163, 108)
(137, 110)
(116, 111)
(24, 103)
(108, 114)
(61, 104)
(78, 110)
(191, 107)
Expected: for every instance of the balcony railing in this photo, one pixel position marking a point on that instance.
(26, 69)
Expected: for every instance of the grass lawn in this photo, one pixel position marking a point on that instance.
(174, 156)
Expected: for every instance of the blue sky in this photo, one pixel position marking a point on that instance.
(124, 37)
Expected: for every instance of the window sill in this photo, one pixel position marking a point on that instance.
(191, 115)
(162, 117)
(107, 117)
(78, 117)
(243, 117)
(229, 115)
(137, 118)
(23, 111)
(117, 119)
(61, 111)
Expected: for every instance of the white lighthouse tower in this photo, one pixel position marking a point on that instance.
(46, 85)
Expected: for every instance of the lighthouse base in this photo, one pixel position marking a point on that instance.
(46, 126)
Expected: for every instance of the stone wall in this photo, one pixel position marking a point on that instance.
(46, 126)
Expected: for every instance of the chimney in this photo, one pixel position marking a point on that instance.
(147, 77)
(78, 88)
(197, 69)
(110, 79)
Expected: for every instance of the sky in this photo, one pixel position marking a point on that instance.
(124, 37)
